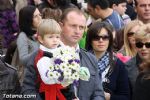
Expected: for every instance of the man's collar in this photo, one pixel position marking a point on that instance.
(77, 48)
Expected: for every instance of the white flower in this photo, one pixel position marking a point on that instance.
(67, 75)
(56, 74)
(51, 75)
(51, 68)
(75, 76)
(63, 66)
(57, 67)
(66, 67)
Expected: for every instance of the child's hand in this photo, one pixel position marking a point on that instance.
(107, 96)
(76, 98)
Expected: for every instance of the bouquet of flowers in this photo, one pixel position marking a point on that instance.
(65, 68)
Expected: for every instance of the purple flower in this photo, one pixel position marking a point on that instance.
(46, 74)
(59, 71)
(77, 61)
(61, 78)
(76, 82)
(58, 61)
(70, 61)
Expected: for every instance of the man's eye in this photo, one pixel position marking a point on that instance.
(81, 27)
(74, 26)
(143, 5)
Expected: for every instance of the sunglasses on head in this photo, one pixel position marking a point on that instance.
(140, 44)
(105, 37)
(130, 34)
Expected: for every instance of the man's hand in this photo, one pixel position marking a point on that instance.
(107, 96)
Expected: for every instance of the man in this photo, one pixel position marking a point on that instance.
(142, 8)
(100, 9)
(120, 6)
(72, 23)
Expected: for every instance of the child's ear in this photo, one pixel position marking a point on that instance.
(40, 39)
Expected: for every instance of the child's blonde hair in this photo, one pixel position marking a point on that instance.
(48, 26)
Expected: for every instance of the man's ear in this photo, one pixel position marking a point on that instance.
(97, 8)
(135, 9)
(61, 24)
(114, 6)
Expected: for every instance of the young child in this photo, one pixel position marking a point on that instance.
(49, 38)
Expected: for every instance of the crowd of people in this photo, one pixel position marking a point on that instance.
(111, 39)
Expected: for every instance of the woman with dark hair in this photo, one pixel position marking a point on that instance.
(8, 23)
(29, 19)
(114, 76)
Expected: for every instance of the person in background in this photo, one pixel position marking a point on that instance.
(129, 49)
(100, 9)
(54, 4)
(143, 10)
(115, 81)
(130, 9)
(29, 19)
(120, 7)
(47, 4)
(8, 23)
(20, 4)
(35, 2)
(49, 13)
(72, 24)
(11, 49)
(141, 86)
(142, 39)
(9, 81)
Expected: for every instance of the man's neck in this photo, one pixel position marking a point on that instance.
(144, 21)
(69, 44)
(105, 13)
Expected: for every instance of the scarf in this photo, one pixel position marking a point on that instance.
(103, 62)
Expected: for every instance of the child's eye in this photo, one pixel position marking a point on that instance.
(58, 37)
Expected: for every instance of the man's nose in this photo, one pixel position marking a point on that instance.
(147, 7)
(77, 30)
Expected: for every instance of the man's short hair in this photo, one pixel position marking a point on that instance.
(67, 11)
(102, 3)
(135, 2)
(117, 2)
